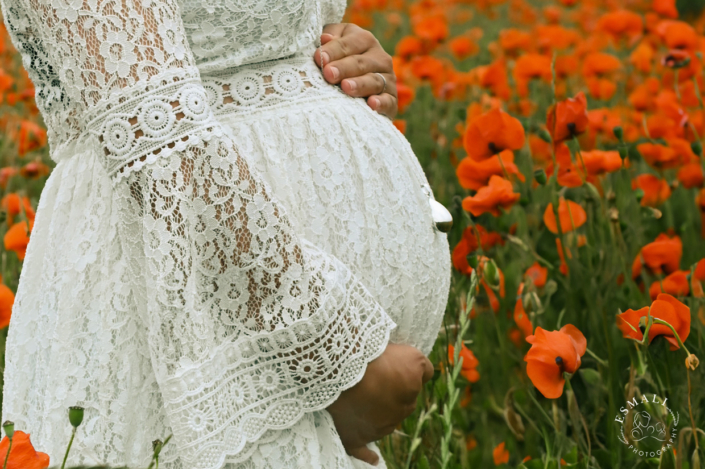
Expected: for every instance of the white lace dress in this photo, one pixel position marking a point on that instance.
(226, 240)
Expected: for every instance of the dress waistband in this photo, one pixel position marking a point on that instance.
(266, 84)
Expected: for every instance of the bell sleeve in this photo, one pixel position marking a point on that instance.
(249, 325)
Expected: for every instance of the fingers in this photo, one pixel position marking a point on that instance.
(350, 40)
(385, 104)
(370, 84)
(334, 29)
(357, 65)
(364, 453)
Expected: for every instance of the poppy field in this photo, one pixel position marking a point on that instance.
(566, 139)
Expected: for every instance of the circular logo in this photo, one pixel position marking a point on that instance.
(647, 425)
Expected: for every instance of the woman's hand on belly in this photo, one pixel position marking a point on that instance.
(384, 397)
(353, 58)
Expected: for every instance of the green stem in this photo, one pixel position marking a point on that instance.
(598, 359)
(66, 456)
(543, 411)
(7, 456)
(675, 334)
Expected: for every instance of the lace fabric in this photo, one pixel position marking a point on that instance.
(176, 280)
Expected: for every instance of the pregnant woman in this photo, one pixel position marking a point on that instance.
(230, 249)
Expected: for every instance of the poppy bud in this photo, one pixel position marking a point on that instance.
(623, 152)
(157, 446)
(692, 362)
(697, 148)
(76, 416)
(695, 461)
(472, 260)
(544, 135)
(9, 428)
(491, 274)
(639, 193)
(613, 213)
(540, 176)
(617, 131)
(656, 213)
(593, 191)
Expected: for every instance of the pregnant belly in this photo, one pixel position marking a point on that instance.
(351, 184)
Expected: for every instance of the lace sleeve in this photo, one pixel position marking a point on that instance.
(249, 325)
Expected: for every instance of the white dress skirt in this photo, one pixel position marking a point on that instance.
(219, 250)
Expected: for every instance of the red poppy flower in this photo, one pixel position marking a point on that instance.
(7, 299)
(34, 170)
(405, 96)
(571, 215)
(675, 284)
(677, 34)
(529, 67)
(665, 8)
(662, 255)
(431, 28)
(492, 133)
(601, 88)
(555, 37)
(6, 173)
(538, 274)
(470, 442)
(551, 354)
(513, 40)
(498, 194)
(600, 63)
(17, 238)
(468, 244)
(659, 156)
(599, 162)
(22, 455)
(500, 455)
(408, 47)
(621, 24)
(642, 57)
(426, 67)
(469, 364)
(31, 137)
(666, 308)
(463, 47)
(568, 118)
(474, 174)
(691, 175)
(11, 203)
(656, 191)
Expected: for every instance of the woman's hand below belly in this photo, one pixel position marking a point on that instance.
(384, 397)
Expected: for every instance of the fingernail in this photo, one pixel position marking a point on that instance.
(335, 73)
(352, 85)
(375, 103)
(325, 58)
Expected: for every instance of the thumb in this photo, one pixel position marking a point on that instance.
(427, 370)
(364, 453)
